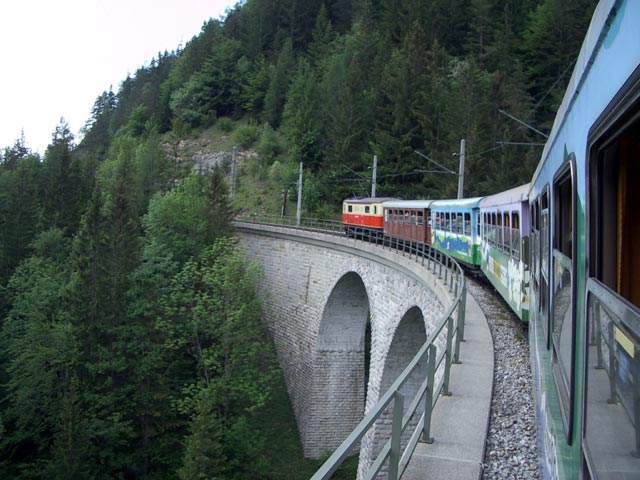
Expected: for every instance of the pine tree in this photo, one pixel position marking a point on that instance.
(276, 95)
(62, 200)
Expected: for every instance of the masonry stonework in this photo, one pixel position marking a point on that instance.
(318, 293)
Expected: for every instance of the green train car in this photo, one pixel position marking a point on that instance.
(455, 229)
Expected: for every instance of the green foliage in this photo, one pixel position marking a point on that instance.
(225, 124)
(276, 95)
(38, 345)
(62, 200)
(214, 318)
(269, 146)
(246, 135)
(21, 184)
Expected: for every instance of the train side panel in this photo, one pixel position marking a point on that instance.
(585, 258)
(408, 220)
(504, 228)
(454, 229)
(362, 215)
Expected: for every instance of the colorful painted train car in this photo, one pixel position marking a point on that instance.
(504, 247)
(455, 228)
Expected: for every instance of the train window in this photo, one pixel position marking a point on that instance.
(447, 221)
(467, 224)
(420, 219)
(563, 305)
(375, 209)
(350, 208)
(459, 224)
(562, 216)
(366, 209)
(506, 233)
(611, 435)
(544, 262)
(515, 235)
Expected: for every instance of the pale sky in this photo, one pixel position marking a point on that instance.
(57, 57)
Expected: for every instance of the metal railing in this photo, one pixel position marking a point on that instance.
(441, 350)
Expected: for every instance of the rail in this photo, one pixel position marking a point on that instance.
(442, 346)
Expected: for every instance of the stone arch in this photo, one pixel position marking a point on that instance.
(339, 380)
(409, 336)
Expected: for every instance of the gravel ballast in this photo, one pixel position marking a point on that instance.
(511, 450)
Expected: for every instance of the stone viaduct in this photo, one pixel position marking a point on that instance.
(322, 296)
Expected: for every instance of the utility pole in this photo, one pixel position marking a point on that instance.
(373, 178)
(232, 186)
(299, 209)
(461, 174)
(285, 193)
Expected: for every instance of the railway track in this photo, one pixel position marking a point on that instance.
(511, 449)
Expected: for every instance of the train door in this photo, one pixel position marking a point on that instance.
(611, 427)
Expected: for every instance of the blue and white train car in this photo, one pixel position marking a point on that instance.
(585, 261)
(455, 228)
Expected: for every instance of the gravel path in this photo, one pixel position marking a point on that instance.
(511, 451)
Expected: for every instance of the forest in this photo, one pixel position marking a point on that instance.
(132, 343)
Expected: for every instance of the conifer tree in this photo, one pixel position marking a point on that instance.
(62, 199)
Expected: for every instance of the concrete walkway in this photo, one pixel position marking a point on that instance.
(460, 422)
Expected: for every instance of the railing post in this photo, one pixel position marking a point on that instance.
(462, 306)
(428, 398)
(396, 435)
(446, 271)
(462, 311)
(447, 363)
(600, 364)
(613, 367)
(635, 369)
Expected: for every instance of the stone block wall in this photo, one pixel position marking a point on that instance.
(318, 292)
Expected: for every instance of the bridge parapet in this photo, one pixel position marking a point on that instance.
(319, 289)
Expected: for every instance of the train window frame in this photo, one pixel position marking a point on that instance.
(545, 270)
(515, 227)
(603, 193)
(564, 380)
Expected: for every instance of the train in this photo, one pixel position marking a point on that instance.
(564, 252)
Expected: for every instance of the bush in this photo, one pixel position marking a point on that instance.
(245, 135)
(269, 147)
(225, 124)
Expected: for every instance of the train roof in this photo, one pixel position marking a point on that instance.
(369, 200)
(408, 204)
(457, 203)
(596, 33)
(514, 195)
